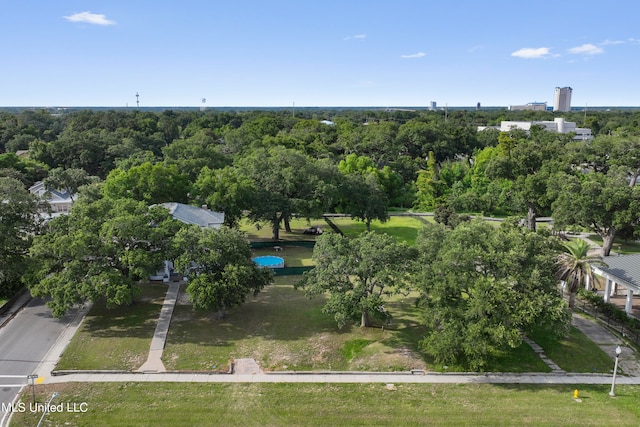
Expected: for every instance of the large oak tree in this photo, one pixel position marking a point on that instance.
(483, 287)
(358, 275)
(19, 221)
(99, 252)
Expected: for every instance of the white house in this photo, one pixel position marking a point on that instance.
(188, 214)
(60, 201)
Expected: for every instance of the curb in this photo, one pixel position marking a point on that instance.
(9, 306)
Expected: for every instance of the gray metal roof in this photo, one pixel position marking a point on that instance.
(195, 215)
(626, 267)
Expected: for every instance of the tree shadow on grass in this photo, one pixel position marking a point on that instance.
(137, 320)
(279, 313)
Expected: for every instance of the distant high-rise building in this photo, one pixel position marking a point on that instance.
(433, 106)
(563, 99)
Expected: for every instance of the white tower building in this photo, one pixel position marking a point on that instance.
(563, 99)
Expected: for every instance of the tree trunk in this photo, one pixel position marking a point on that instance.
(635, 175)
(368, 223)
(275, 228)
(607, 242)
(572, 300)
(364, 320)
(531, 219)
(287, 225)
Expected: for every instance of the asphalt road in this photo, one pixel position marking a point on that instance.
(24, 342)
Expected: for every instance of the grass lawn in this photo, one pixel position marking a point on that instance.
(403, 228)
(575, 353)
(297, 227)
(2, 301)
(264, 404)
(117, 338)
(621, 246)
(284, 330)
(294, 256)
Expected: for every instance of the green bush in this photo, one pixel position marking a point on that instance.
(608, 309)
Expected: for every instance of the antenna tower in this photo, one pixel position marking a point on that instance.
(137, 100)
(203, 106)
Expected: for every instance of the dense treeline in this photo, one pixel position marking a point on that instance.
(269, 166)
(274, 165)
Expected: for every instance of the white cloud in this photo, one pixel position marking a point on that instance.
(530, 53)
(90, 18)
(413, 55)
(608, 42)
(586, 49)
(356, 37)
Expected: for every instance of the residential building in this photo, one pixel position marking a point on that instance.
(59, 201)
(188, 214)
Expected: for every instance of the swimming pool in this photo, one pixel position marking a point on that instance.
(269, 261)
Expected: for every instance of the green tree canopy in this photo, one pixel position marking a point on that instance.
(19, 221)
(151, 183)
(192, 154)
(482, 287)
(358, 275)
(225, 190)
(99, 252)
(219, 266)
(286, 182)
(603, 203)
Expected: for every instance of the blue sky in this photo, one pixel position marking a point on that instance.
(311, 53)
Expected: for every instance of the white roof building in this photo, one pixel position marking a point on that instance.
(558, 125)
(194, 215)
(60, 201)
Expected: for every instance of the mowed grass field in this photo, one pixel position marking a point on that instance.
(283, 404)
(403, 228)
(262, 231)
(117, 338)
(284, 330)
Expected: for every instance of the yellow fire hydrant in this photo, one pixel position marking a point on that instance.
(575, 393)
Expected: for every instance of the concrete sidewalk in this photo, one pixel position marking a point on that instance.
(629, 362)
(348, 377)
(154, 371)
(154, 360)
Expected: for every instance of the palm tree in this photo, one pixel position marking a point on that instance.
(574, 267)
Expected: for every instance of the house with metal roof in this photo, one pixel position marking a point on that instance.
(194, 215)
(59, 201)
(621, 270)
(188, 214)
